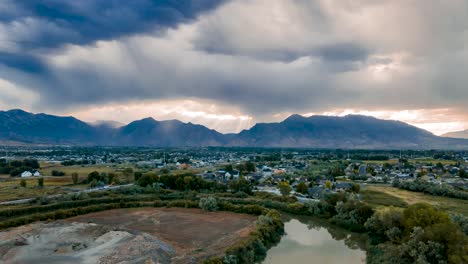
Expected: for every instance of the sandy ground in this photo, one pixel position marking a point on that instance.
(142, 235)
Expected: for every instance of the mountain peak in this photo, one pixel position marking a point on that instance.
(352, 131)
(295, 117)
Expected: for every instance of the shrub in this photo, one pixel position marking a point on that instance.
(23, 183)
(75, 178)
(40, 182)
(208, 204)
(57, 173)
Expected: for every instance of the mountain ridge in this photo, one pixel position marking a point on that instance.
(457, 134)
(348, 132)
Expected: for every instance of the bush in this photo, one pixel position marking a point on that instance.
(58, 173)
(23, 183)
(431, 188)
(75, 178)
(208, 204)
(40, 182)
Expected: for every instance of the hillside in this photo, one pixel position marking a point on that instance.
(457, 134)
(349, 132)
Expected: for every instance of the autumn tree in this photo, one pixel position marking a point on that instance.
(284, 188)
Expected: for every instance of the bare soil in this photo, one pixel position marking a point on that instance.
(141, 235)
(193, 233)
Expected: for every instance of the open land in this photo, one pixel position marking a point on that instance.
(387, 195)
(142, 235)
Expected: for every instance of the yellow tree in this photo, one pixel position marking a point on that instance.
(284, 188)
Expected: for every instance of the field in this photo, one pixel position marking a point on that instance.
(10, 187)
(412, 161)
(144, 235)
(46, 169)
(386, 195)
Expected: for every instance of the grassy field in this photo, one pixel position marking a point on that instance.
(391, 161)
(421, 161)
(8, 193)
(81, 170)
(10, 189)
(378, 196)
(378, 199)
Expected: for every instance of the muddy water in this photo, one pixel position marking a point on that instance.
(310, 241)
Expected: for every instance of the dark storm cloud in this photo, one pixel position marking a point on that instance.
(262, 56)
(45, 24)
(96, 19)
(24, 62)
(343, 52)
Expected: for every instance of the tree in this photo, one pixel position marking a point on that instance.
(148, 179)
(328, 184)
(462, 173)
(250, 166)
(58, 173)
(111, 177)
(228, 168)
(355, 188)
(423, 215)
(94, 176)
(75, 178)
(137, 175)
(208, 204)
(284, 188)
(302, 188)
(40, 182)
(241, 185)
(23, 183)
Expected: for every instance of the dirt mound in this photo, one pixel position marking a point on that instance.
(63, 242)
(142, 235)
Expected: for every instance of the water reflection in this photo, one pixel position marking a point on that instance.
(310, 240)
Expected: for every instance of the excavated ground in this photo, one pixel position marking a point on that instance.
(141, 235)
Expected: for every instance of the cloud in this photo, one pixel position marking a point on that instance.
(13, 95)
(261, 56)
(222, 118)
(46, 24)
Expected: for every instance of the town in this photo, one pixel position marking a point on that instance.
(309, 173)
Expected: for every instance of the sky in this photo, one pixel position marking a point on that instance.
(230, 64)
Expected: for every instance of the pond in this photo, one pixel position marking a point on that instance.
(313, 241)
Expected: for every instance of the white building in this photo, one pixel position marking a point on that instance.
(26, 174)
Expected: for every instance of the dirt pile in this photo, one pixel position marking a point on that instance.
(63, 242)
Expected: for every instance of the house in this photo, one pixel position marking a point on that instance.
(267, 172)
(317, 192)
(235, 174)
(26, 174)
(343, 186)
(363, 170)
(37, 174)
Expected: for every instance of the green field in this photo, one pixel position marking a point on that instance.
(379, 196)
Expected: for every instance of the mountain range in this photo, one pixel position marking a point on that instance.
(348, 132)
(457, 134)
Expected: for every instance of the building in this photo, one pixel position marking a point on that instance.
(26, 174)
